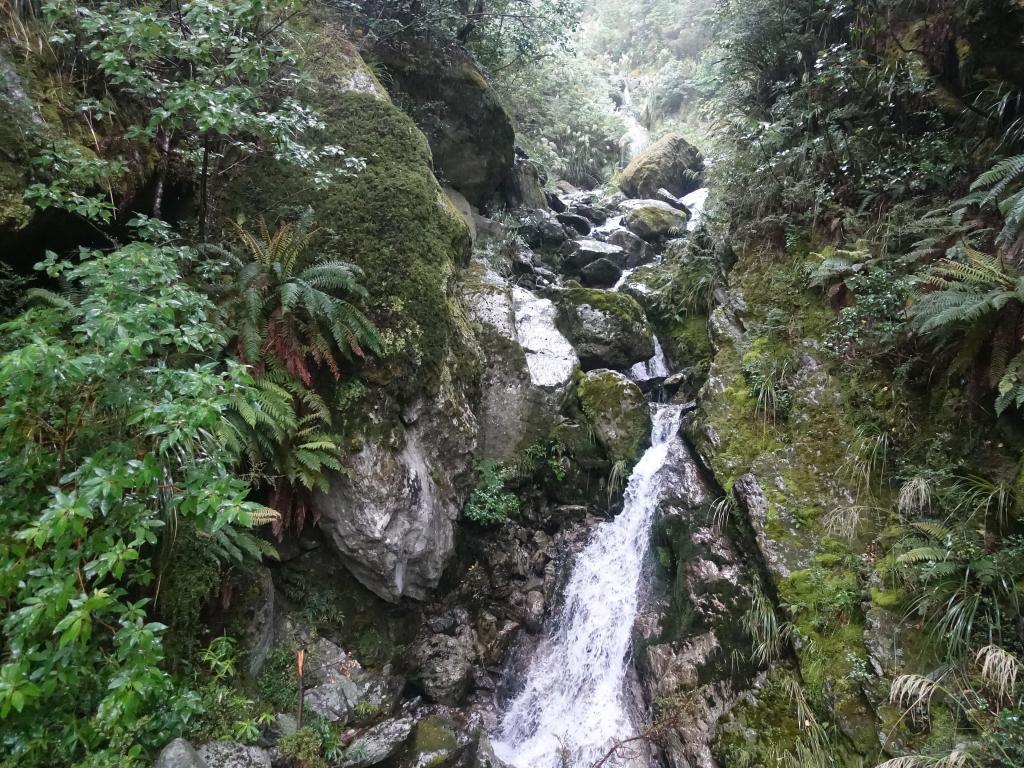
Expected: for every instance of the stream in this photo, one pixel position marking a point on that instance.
(573, 706)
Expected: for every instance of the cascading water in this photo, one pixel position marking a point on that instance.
(573, 706)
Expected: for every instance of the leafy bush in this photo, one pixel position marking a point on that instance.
(113, 432)
(490, 503)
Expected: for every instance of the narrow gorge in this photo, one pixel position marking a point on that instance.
(511, 384)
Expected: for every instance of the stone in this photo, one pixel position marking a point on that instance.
(390, 517)
(443, 664)
(533, 612)
(337, 683)
(440, 740)
(465, 210)
(555, 203)
(618, 413)
(635, 247)
(754, 504)
(542, 230)
(600, 273)
(607, 329)
(231, 754)
(575, 222)
(524, 186)
(590, 213)
(179, 754)
(667, 197)
(379, 743)
(583, 251)
(671, 163)
(470, 133)
(529, 364)
(654, 220)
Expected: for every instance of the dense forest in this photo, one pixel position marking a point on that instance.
(512, 383)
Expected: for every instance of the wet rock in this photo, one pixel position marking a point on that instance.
(542, 230)
(484, 756)
(179, 754)
(443, 664)
(618, 413)
(585, 251)
(390, 518)
(667, 197)
(671, 163)
(555, 203)
(575, 222)
(754, 503)
(634, 246)
(590, 213)
(441, 740)
(606, 328)
(654, 220)
(231, 754)
(533, 618)
(600, 273)
(379, 743)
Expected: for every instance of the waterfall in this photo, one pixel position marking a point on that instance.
(655, 368)
(573, 705)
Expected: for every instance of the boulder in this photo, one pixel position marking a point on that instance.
(390, 517)
(470, 133)
(635, 247)
(671, 163)
(542, 230)
(653, 220)
(607, 329)
(337, 683)
(179, 754)
(529, 364)
(524, 187)
(618, 413)
(231, 754)
(601, 273)
(464, 209)
(441, 740)
(575, 222)
(443, 663)
(590, 213)
(379, 743)
(583, 252)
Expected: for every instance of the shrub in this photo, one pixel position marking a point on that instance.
(490, 503)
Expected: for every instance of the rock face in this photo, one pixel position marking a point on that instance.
(391, 516)
(607, 329)
(231, 754)
(443, 658)
(618, 413)
(529, 363)
(338, 683)
(691, 653)
(378, 743)
(654, 220)
(470, 133)
(671, 163)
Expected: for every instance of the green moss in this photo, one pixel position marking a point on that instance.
(622, 306)
(303, 749)
(760, 730)
(391, 219)
(618, 413)
(890, 600)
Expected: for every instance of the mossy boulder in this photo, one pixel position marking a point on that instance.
(391, 219)
(617, 411)
(654, 220)
(671, 163)
(469, 131)
(608, 329)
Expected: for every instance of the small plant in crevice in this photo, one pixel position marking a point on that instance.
(490, 503)
(762, 624)
(768, 378)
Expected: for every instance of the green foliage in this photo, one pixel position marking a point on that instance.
(113, 432)
(490, 504)
(303, 749)
(224, 712)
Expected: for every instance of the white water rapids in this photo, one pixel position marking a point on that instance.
(573, 705)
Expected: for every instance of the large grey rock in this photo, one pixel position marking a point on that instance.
(585, 251)
(607, 329)
(618, 413)
(179, 754)
(338, 683)
(635, 247)
(671, 163)
(390, 518)
(529, 363)
(231, 754)
(601, 273)
(653, 220)
(443, 663)
(379, 743)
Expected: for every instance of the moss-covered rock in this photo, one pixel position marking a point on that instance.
(470, 133)
(391, 218)
(618, 413)
(671, 163)
(654, 220)
(608, 329)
